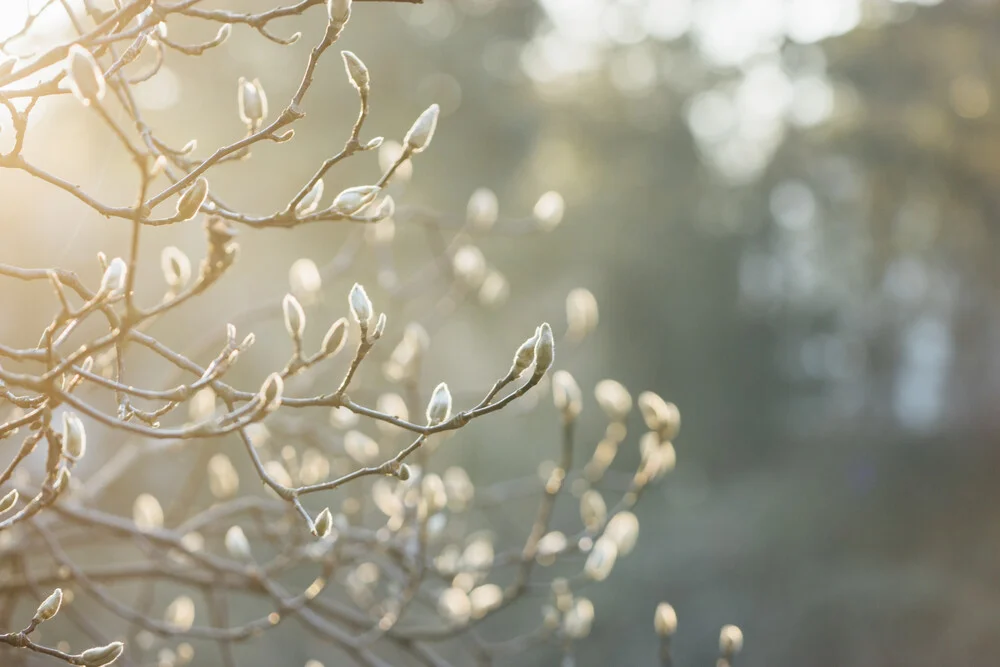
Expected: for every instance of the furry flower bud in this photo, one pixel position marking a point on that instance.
(189, 203)
(422, 131)
(545, 350)
(323, 523)
(84, 76)
(252, 102)
(357, 71)
(101, 655)
(49, 607)
(295, 317)
(439, 407)
(361, 306)
(74, 436)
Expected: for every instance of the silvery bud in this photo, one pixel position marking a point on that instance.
(74, 436)
(422, 131)
(335, 338)
(310, 201)
(9, 500)
(361, 306)
(379, 326)
(49, 607)
(237, 544)
(84, 76)
(372, 144)
(404, 472)
(545, 350)
(354, 200)
(270, 393)
(176, 267)
(252, 101)
(566, 395)
(524, 356)
(339, 11)
(295, 317)
(439, 407)
(357, 71)
(189, 203)
(101, 655)
(665, 620)
(323, 523)
(113, 280)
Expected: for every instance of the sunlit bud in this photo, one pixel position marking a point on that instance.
(593, 510)
(221, 36)
(323, 523)
(404, 472)
(579, 619)
(74, 436)
(271, 393)
(84, 76)
(176, 267)
(484, 599)
(545, 349)
(113, 280)
(623, 530)
(581, 313)
(100, 655)
(566, 395)
(237, 543)
(179, 614)
(339, 11)
(187, 148)
(189, 203)
(295, 317)
(360, 447)
(601, 559)
(469, 265)
(252, 101)
(525, 355)
(223, 480)
(494, 290)
(549, 209)
(147, 513)
(660, 416)
(7, 65)
(379, 326)
(62, 480)
(353, 200)
(8, 500)
(614, 399)
(551, 545)
(483, 209)
(305, 280)
(361, 305)
(439, 407)
(454, 606)
(730, 640)
(310, 201)
(665, 620)
(49, 607)
(335, 337)
(158, 166)
(422, 131)
(357, 71)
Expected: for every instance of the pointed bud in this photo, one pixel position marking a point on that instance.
(252, 101)
(422, 131)
(361, 306)
(101, 655)
(730, 640)
(545, 350)
(404, 472)
(62, 480)
(190, 202)
(357, 71)
(566, 395)
(439, 407)
(74, 437)
(323, 523)
(295, 317)
(665, 620)
(84, 76)
(176, 267)
(524, 356)
(237, 544)
(335, 338)
(49, 608)
(379, 326)
(309, 203)
(9, 500)
(271, 392)
(339, 11)
(354, 200)
(113, 280)
(372, 144)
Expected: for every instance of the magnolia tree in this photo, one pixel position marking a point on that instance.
(354, 533)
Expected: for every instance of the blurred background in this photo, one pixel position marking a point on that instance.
(787, 210)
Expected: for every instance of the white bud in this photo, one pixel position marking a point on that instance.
(549, 209)
(323, 523)
(339, 11)
(9, 500)
(305, 279)
(623, 530)
(579, 619)
(74, 436)
(593, 510)
(237, 544)
(581, 313)
(730, 640)
(485, 599)
(372, 144)
(223, 480)
(271, 393)
(566, 395)
(335, 338)
(176, 267)
(379, 326)
(354, 200)
(439, 407)
(361, 305)
(422, 131)
(601, 560)
(252, 101)
(113, 280)
(469, 265)
(190, 202)
(483, 209)
(525, 355)
(84, 76)
(180, 614)
(49, 607)
(545, 350)
(454, 606)
(665, 620)
(614, 399)
(660, 416)
(295, 317)
(404, 472)
(147, 513)
(310, 201)
(101, 655)
(357, 72)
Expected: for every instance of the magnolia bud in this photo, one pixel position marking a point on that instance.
(270, 393)
(614, 399)
(113, 280)
(74, 436)
(237, 544)
(483, 209)
(323, 523)
(623, 530)
(566, 395)
(101, 655)
(335, 338)
(422, 131)
(49, 608)
(295, 317)
(176, 267)
(439, 407)
(84, 76)
(357, 71)
(310, 201)
(361, 306)
(545, 349)
(252, 101)
(353, 200)
(730, 640)
(379, 326)
(665, 620)
(660, 416)
(593, 510)
(8, 500)
(601, 560)
(524, 356)
(581, 313)
(62, 480)
(339, 11)
(372, 144)
(189, 203)
(404, 472)
(549, 209)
